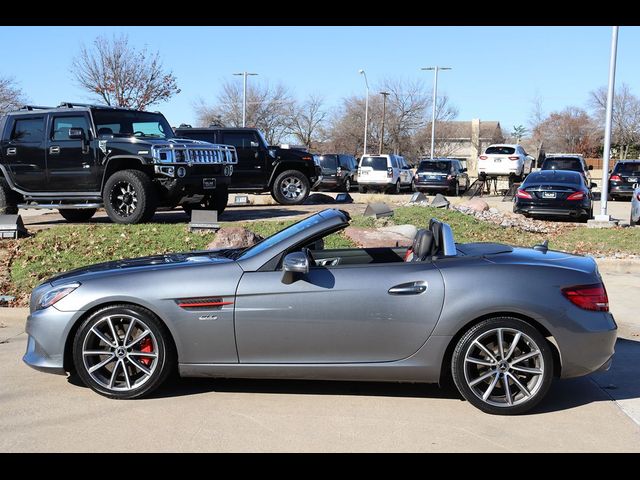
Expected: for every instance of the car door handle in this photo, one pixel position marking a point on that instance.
(54, 150)
(411, 288)
(12, 151)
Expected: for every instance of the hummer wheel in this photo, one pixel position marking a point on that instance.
(8, 206)
(129, 197)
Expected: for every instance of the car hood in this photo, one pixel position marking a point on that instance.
(172, 260)
(157, 142)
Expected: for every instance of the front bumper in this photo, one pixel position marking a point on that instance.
(48, 330)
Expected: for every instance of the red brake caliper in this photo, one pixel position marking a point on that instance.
(147, 347)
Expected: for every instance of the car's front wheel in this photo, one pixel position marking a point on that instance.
(291, 187)
(129, 197)
(123, 352)
(502, 366)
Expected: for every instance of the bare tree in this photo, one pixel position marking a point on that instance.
(345, 128)
(571, 130)
(536, 117)
(268, 109)
(11, 96)
(307, 120)
(120, 75)
(625, 119)
(446, 137)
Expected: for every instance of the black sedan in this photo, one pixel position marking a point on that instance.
(441, 174)
(624, 178)
(554, 193)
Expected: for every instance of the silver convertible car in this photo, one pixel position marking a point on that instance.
(500, 321)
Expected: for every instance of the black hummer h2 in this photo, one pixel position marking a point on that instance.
(77, 158)
(289, 174)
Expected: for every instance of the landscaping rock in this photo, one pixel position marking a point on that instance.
(369, 238)
(440, 201)
(408, 231)
(234, 237)
(478, 205)
(319, 198)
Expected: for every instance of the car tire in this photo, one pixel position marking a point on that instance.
(632, 222)
(362, 189)
(218, 202)
(455, 191)
(123, 372)
(139, 197)
(291, 187)
(8, 203)
(487, 374)
(75, 215)
(396, 189)
(347, 185)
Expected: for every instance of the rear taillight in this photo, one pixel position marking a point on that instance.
(638, 196)
(615, 178)
(415, 177)
(339, 171)
(576, 196)
(390, 172)
(450, 177)
(308, 159)
(523, 194)
(514, 158)
(483, 157)
(588, 297)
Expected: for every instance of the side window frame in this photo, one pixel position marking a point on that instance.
(17, 119)
(54, 116)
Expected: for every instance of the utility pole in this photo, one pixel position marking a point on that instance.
(435, 69)
(604, 216)
(244, 96)
(366, 110)
(384, 112)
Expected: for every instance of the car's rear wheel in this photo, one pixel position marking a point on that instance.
(77, 214)
(502, 366)
(347, 185)
(396, 189)
(129, 197)
(123, 352)
(8, 205)
(362, 189)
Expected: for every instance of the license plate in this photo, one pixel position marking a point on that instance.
(432, 177)
(497, 160)
(548, 194)
(364, 172)
(632, 179)
(208, 183)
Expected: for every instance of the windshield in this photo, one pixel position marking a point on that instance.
(628, 168)
(500, 150)
(122, 123)
(328, 161)
(377, 163)
(280, 236)
(562, 164)
(430, 166)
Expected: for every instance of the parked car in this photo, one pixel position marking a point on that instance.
(285, 308)
(77, 158)
(388, 173)
(555, 193)
(505, 160)
(568, 161)
(339, 171)
(624, 178)
(634, 218)
(288, 173)
(441, 174)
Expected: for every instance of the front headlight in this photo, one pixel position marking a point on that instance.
(55, 295)
(163, 156)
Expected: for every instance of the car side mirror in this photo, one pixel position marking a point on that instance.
(294, 263)
(272, 153)
(590, 167)
(76, 134)
(594, 185)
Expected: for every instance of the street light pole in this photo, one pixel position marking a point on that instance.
(435, 69)
(366, 110)
(244, 96)
(384, 112)
(607, 129)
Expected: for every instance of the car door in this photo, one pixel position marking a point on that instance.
(337, 314)
(24, 152)
(252, 157)
(71, 163)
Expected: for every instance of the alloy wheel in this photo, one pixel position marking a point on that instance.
(504, 367)
(124, 198)
(291, 187)
(120, 352)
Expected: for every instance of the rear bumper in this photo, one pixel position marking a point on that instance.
(560, 210)
(621, 190)
(495, 171)
(423, 187)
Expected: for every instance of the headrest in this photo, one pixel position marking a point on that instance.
(422, 245)
(105, 131)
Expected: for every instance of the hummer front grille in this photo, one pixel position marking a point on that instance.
(214, 154)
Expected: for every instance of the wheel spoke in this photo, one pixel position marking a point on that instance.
(482, 378)
(126, 335)
(138, 338)
(513, 346)
(533, 371)
(501, 343)
(126, 374)
(525, 356)
(120, 197)
(507, 390)
(487, 393)
(98, 334)
(479, 361)
(113, 331)
(122, 189)
(97, 352)
(522, 388)
(113, 374)
(143, 354)
(485, 350)
(102, 364)
(139, 366)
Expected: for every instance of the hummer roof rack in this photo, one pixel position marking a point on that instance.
(34, 107)
(89, 105)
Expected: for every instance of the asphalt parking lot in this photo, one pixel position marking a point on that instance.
(40, 412)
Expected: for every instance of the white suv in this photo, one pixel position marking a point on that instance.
(383, 172)
(504, 160)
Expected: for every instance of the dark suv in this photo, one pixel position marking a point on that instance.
(289, 174)
(338, 171)
(77, 158)
(441, 174)
(624, 177)
(568, 161)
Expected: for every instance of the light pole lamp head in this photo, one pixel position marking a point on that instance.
(361, 72)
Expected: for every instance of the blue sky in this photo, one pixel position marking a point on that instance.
(496, 70)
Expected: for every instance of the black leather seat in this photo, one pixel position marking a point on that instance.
(105, 131)
(422, 247)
